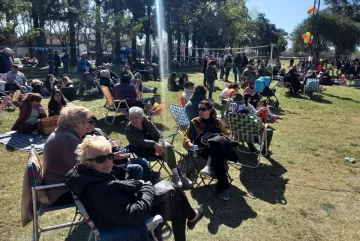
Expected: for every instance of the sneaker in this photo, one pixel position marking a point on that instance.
(206, 171)
(177, 181)
(186, 183)
(200, 209)
(225, 194)
(154, 90)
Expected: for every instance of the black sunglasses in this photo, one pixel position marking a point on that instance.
(102, 159)
(91, 122)
(202, 109)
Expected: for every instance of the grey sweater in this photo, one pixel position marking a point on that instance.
(59, 158)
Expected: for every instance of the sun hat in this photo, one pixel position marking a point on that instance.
(8, 51)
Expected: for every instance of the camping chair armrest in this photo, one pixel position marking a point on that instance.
(49, 186)
(170, 135)
(116, 100)
(153, 222)
(124, 99)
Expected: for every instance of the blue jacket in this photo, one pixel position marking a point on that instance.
(83, 65)
(191, 107)
(65, 59)
(5, 63)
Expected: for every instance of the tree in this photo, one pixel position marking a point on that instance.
(334, 30)
(349, 8)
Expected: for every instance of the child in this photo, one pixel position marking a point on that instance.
(265, 113)
(250, 89)
(233, 90)
(189, 90)
(223, 93)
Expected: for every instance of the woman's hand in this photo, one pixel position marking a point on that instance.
(189, 145)
(115, 143)
(159, 149)
(41, 110)
(121, 155)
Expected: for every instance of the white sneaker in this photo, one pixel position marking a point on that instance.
(187, 184)
(177, 181)
(206, 171)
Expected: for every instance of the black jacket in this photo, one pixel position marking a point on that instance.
(245, 61)
(210, 74)
(238, 61)
(111, 203)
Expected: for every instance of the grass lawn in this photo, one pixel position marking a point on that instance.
(306, 191)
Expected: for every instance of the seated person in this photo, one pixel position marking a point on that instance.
(205, 124)
(16, 80)
(234, 89)
(91, 80)
(119, 206)
(326, 79)
(138, 167)
(292, 77)
(145, 89)
(72, 125)
(105, 79)
(192, 106)
(224, 91)
(127, 71)
(182, 81)
(67, 88)
(310, 75)
(56, 103)
(282, 72)
(31, 111)
(265, 114)
(50, 84)
(172, 85)
(250, 89)
(124, 90)
(188, 90)
(255, 98)
(36, 85)
(145, 137)
(248, 73)
(112, 74)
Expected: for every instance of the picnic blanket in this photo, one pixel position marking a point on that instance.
(20, 141)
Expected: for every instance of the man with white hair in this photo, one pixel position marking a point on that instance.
(83, 66)
(6, 60)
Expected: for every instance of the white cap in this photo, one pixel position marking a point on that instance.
(8, 51)
(83, 54)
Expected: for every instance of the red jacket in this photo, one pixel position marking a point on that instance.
(25, 112)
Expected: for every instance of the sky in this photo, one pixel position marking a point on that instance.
(285, 14)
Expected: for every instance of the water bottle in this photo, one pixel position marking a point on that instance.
(195, 150)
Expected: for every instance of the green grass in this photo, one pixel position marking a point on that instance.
(305, 192)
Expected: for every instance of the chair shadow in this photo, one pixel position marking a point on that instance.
(277, 111)
(160, 126)
(341, 98)
(265, 182)
(231, 213)
(320, 100)
(118, 126)
(80, 232)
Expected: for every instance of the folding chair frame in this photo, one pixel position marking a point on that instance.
(37, 229)
(317, 87)
(151, 224)
(115, 104)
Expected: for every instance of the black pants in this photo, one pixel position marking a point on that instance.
(269, 135)
(176, 209)
(204, 79)
(218, 165)
(66, 68)
(65, 199)
(28, 128)
(12, 87)
(56, 70)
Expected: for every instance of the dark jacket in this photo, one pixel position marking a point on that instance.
(57, 61)
(65, 59)
(5, 63)
(124, 90)
(47, 85)
(59, 157)
(54, 108)
(205, 63)
(238, 61)
(136, 137)
(117, 207)
(191, 107)
(24, 114)
(210, 74)
(245, 61)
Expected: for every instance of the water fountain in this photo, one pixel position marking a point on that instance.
(160, 24)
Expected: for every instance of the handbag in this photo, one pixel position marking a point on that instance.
(163, 191)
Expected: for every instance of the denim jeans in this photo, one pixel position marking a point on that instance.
(146, 89)
(211, 89)
(222, 72)
(66, 68)
(237, 71)
(145, 170)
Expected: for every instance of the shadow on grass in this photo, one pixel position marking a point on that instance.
(80, 232)
(320, 100)
(231, 213)
(341, 98)
(265, 182)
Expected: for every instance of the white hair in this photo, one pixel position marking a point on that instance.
(136, 111)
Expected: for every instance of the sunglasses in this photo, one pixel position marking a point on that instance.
(202, 109)
(91, 122)
(102, 159)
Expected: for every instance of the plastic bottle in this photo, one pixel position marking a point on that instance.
(195, 150)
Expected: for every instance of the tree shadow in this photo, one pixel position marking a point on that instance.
(118, 126)
(231, 213)
(320, 100)
(341, 98)
(265, 182)
(161, 127)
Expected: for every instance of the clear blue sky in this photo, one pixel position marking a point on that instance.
(285, 14)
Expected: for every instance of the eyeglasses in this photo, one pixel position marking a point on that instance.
(202, 109)
(91, 122)
(102, 159)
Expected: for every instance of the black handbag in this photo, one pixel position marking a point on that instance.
(163, 191)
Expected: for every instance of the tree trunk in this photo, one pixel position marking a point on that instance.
(133, 47)
(72, 33)
(170, 47)
(117, 9)
(178, 41)
(193, 41)
(41, 40)
(147, 33)
(187, 39)
(98, 48)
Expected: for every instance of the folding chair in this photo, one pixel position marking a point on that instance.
(312, 85)
(181, 99)
(6, 100)
(247, 128)
(152, 223)
(38, 192)
(115, 104)
(16, 98)
(281, 83)
(156, 111)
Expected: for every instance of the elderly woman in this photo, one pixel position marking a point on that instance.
(31, 111)
(59, 151)
(119, 207)
(57, 102)
(138, 168)
(209, 133)
(146, 138)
